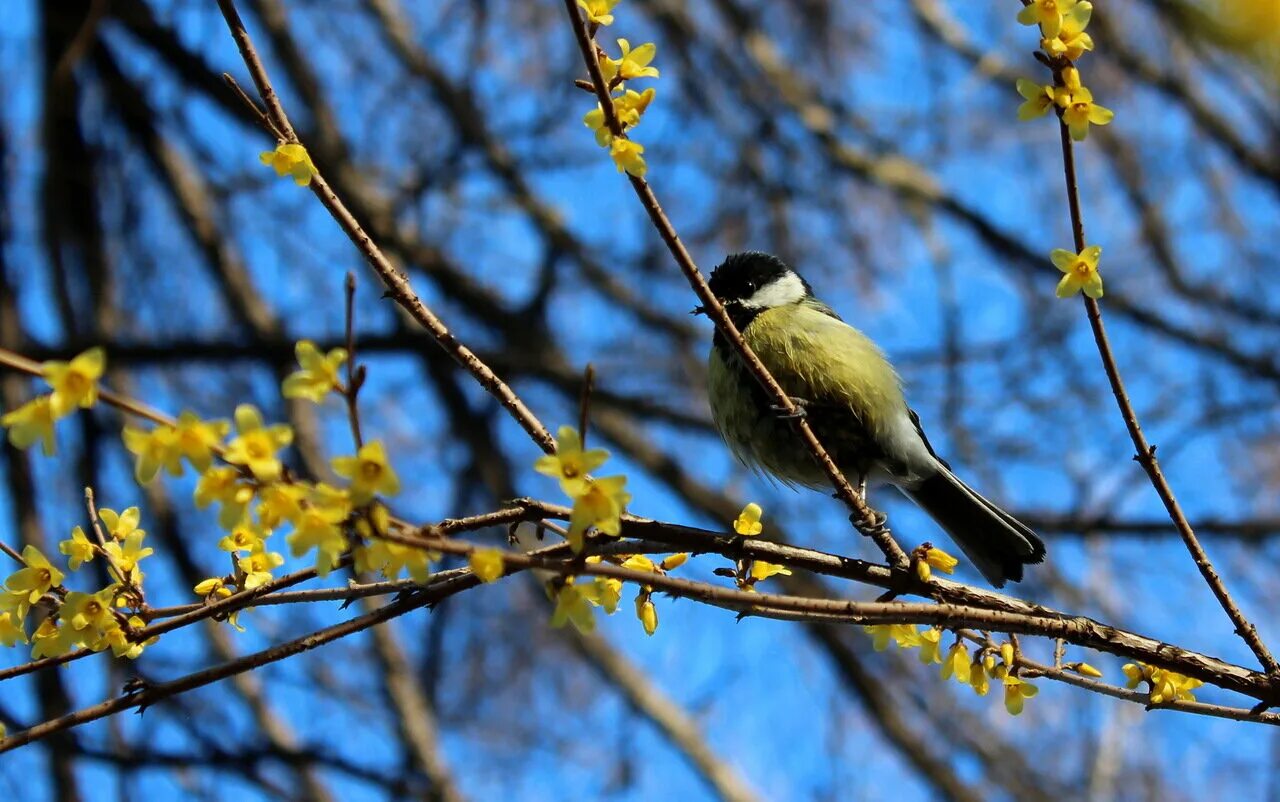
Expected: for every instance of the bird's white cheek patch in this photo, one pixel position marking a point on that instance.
(784, 290)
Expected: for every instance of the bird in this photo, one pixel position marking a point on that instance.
(852, 398)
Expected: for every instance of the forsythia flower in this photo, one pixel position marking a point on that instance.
(1080, 271)
(35, 580)
(905, 635)
(1016, 692)
(647, 613)
(279, 503)
(11, 631)
(369, 472)
(1071, 41)
(978, 677)
(319, 528)
(319, 374)
(1084, 670)
(761, 570)
(608, 592)
(197, 439)
(632, 64)
(224, 485)
(573, 606)
(121, 525)
(1078, 108)
(290, 159)
(748, 523)
(487, 564)
(213, 586)
(599, 12)
(245, 537)
(600, 504)
(931, 646)
(154, 449)
(571, 464)
(626, 157)
(50, 640)
(1166, 685)
(31, 422)
(255, 445)
(74, 383)
(957, 664)
(1047, 14)
(628, 108)
(674, 561)
(388, 557)
(1039, 99)
(78, 549)
(89, 611)
(125, 556)
(257, 568)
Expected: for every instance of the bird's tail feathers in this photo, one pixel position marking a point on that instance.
(993, 540)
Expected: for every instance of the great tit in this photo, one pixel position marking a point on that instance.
(853, 400)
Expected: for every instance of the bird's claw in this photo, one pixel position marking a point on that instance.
(799, 410)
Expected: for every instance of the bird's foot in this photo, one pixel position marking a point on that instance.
(798, 411)
(876, 526)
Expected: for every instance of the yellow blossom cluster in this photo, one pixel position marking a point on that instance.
(926, 558)
(1064, 40)
(597, 503)
(104, 619)
(628, 104)
(576, 597)
(74, 385)
(976, 673)
(1165, 685)
(749, 572)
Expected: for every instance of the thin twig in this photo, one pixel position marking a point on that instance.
(1146, 453)
(355, 375)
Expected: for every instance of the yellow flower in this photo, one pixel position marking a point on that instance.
(571, 464)
(1078, 108)
(939, 559)
(632, 64)
(279, 503)
(1039, 99)
(1071, 41)
(388, 557)
(608, 592)
(79, 549)
(255, 445)
(245, 537)
(121, 525)
(978, 677)
(36, 579)
(224, 485)
(626, 157)
(51, 640)
(125, 556)
(639, 562)
(487, 564)
(1166, 686)
(647, 613)
(931, 646)
(212, 586)
(31, 422)
(290, 159)
(1135, 673)
(257, 568)
(1016, 692)
(118, 640)
(1047, 14)
(197, 439)
(1080, 271)
(74, 383)
(957, 663)
(600, 505)
(319, 528)
(905, 635)
(89, 611)
(628, 108)
(748, 523)
(674, 561)
(573, 606)
(11, 631)
(1085, 670)
(761, 570)
(319, 374)
(369, 472)
(599, 12)
(154, 449)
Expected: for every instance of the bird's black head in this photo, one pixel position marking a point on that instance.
(755, 281)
